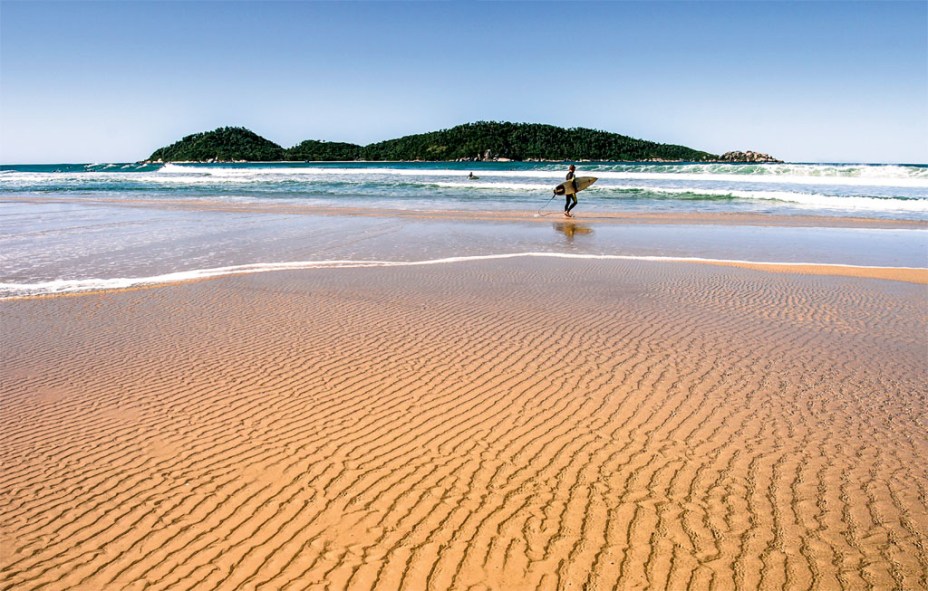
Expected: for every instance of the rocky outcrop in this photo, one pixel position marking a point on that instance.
(748, 156)
(485, 156)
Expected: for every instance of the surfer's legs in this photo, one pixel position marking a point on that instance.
(570, 203)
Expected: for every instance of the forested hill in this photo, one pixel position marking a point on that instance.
(525, 141)
(472, 141)
(223, 144)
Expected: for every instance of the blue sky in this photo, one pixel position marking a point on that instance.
(804, 81)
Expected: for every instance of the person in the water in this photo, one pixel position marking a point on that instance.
(571, 198)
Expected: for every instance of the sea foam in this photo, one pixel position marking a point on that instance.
(72, 286)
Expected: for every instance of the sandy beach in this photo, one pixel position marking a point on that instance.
(527, 423)
(403, 296)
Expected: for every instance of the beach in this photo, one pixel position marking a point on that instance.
(329, 296)
(518, 423)
(241, 377)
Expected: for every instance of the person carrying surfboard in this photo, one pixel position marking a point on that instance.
(570, 188)
(571, 198)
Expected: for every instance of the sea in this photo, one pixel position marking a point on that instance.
(74, 227)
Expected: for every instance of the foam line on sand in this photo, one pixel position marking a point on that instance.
(70, 286)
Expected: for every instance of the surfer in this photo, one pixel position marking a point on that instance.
(571, 198)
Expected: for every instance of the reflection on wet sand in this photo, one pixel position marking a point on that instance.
(570, 229)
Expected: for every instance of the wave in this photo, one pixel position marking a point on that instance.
(742, 170)
(643, 192)
(862, 181)
(179, 174)
(889, 190)
(72, 286)
(804, 200)
(514, 193)
(869, 175)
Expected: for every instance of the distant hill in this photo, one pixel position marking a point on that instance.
(222, 145)
(525, 141)
(472, 141)
(319, 150)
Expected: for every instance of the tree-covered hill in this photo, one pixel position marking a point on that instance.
(472, 141)
(525, 141)
(319, 150)
(223, 144)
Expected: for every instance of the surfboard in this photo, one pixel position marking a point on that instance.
(566, 188)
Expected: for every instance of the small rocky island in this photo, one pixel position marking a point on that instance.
(472, 142)
(747, 156)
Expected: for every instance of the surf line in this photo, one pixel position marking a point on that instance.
(70, 286)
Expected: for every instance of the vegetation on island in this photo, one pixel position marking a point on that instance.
(223, 144)
(525, 141)
(320, 150)
(485, 140)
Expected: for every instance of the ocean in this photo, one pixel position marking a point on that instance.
(74, 227)
(872, 190)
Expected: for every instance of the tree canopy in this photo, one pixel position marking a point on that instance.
(319, 150)
(525, 141)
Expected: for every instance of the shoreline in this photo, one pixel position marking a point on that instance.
(87, 287)
(193, 240)
(519, 215)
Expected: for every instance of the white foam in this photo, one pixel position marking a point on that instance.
(200, 175)
(804, 200)
(842, 175)
(71, 286)
(312, 171)
(175, 174)
(493, 186)
(908, 182)
(896, 190)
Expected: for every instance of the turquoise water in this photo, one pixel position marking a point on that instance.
(66, 228)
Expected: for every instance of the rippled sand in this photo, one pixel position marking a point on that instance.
(509, 424)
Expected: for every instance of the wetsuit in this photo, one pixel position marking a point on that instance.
(570, 198)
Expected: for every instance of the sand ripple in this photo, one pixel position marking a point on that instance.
(511, 424)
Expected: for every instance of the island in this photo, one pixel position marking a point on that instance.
(747, 156)
(470, 142)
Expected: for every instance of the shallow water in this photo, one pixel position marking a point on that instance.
(73, 246)
(106, 222)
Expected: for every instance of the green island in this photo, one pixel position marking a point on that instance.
(481, 141)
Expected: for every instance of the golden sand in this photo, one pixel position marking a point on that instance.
(511, 424)
(906, 274)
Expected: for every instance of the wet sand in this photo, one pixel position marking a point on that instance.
(545, 214)
(526, 423)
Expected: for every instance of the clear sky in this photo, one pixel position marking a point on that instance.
(804, 81)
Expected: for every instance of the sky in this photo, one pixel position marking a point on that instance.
(815, 81)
